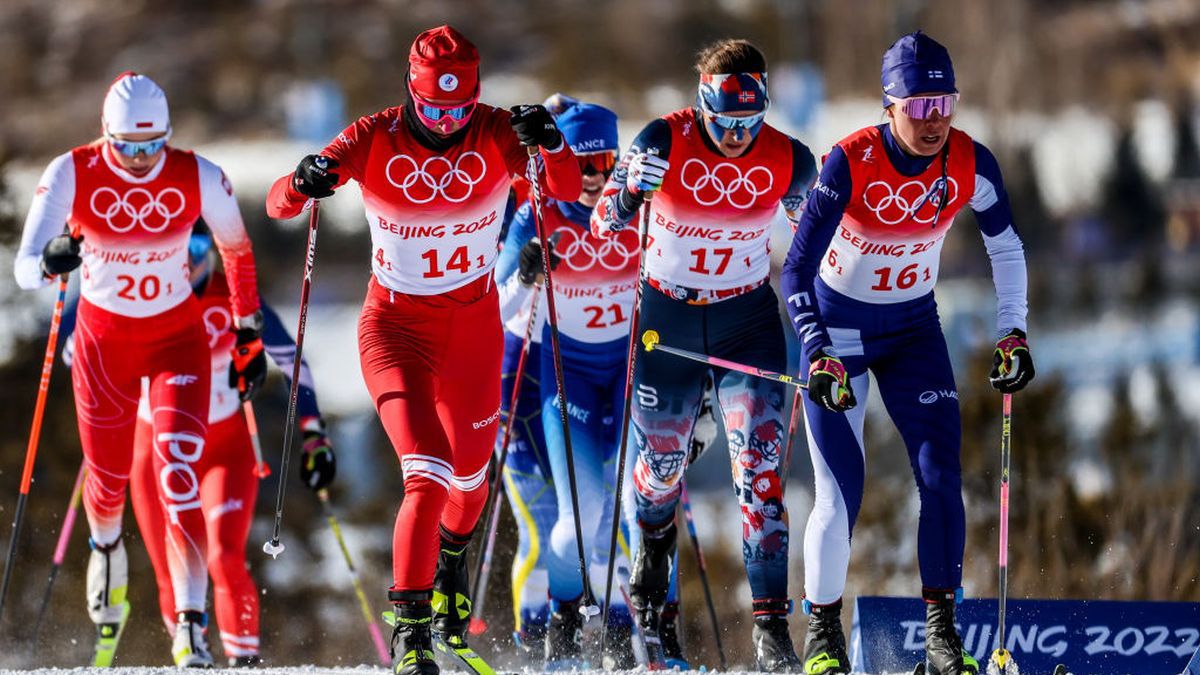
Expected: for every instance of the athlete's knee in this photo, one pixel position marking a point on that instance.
(652, 486)
(226, 564)
(939, 469)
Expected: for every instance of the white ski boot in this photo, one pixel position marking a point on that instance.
(107, 586)
(190, 649)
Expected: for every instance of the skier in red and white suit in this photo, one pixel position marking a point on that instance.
(129, 202)
(435, 174)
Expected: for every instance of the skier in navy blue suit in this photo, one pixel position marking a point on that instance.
(859, 281)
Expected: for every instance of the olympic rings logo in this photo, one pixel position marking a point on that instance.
(153, 212)
(581, 251)
(437, 176)
(725, 181)
(909, 200)
(217, 322)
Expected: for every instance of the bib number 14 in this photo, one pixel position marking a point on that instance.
(458, 261)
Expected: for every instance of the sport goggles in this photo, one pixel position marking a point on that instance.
(433, 115)
(731, 123)
(602, 162)
(921, 107)
(135, 148)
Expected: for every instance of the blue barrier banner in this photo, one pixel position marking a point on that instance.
(1092, 637)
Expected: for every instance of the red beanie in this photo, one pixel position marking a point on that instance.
(443, 64)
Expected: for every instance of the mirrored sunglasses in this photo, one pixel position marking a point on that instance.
(135, 148)
(597, 162)
(730, 123)
(922, 107)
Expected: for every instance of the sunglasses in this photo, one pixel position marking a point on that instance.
(433, 115)
(602, 162)
(730, 123)
(922, 107)
(135, 148)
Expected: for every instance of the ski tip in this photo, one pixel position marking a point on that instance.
(1061, 669)
(920, 669)
(477, 626)
(650, 340)
(273, 549)
(588, 611)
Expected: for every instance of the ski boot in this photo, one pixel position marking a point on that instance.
(107, 584)
(530, 633)
(451, 590)
(668, 636)
(773, 649)
(620, 654)
(248, 661)
(564, 637)
(648, 585)
(190, 649)
(944, 653)
(825, 643)
(412, 634)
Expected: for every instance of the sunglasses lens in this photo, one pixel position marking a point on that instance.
(597, 162)
(922, 107)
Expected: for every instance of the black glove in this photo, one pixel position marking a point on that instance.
(61, 255)
(248, 369)
(313, 177)
(530, 261)
(828, 383)
(535, 126)
(318, 465)
(1012, 366)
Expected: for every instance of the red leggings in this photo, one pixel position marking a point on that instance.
(432, 366)
(112, 355)
(228, 491)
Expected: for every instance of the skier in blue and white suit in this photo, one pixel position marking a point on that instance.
(859, 283)
(593, 281)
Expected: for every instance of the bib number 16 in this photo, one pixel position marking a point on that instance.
(907, 278)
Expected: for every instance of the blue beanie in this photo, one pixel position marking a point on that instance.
(588, 127)
(916, 64)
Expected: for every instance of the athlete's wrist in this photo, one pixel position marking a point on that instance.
(251, 321)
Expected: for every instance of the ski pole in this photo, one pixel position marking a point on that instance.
(1001, 656)
(650, 340)
(484, 565)
(631, 357)
(377, 637)
(793, 424)
(261, 468)
(60, 551)
(35, 434)
(588, 607)
(273, 547)
(703, 567)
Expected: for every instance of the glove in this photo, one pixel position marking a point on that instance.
(535, 126)
(530, 264)
(61, 255)
(828, 384)
(1012, 366)
(645, 173)
(248, 369)
(313, 177)
(318, 465)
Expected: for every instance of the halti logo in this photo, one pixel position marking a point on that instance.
(930, 397)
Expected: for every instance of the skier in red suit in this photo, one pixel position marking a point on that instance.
(435, 174)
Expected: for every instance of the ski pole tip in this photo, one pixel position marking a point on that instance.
(273, 548)
(650, 339)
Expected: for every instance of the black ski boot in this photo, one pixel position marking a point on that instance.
(773, 647)
(451, 589)
(412, 636)
(944, 653)
(668, 635)
(825, 643)
(248, 661)
(648, 585)
(564, 637)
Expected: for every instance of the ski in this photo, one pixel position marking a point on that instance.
(454, 646)
(107, 637)
(1060, 669)
(647, 623)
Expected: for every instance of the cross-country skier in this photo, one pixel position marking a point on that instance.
(228, 485)
(594, 281)
(435, 174)
(128, 202)
(859, 283)
(718, 174)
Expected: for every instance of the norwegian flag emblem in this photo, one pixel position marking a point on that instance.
(746, 97)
